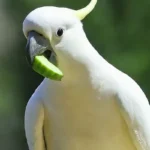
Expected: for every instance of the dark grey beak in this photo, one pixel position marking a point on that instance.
(37, 45)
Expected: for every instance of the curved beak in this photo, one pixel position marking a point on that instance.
(38, 52)
(36, 45)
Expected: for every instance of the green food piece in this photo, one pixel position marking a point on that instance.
(45, 68)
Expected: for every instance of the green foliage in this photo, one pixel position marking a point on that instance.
(119, 30)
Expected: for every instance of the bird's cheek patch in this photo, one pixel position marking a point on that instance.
(45, 68)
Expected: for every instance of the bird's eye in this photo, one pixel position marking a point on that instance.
(60, 32)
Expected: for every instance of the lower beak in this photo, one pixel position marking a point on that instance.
(37, 48)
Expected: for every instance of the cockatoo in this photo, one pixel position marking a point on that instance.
(95, 106)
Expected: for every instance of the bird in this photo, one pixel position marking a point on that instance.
(95, 106)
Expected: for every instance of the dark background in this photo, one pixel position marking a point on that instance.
(119, 30)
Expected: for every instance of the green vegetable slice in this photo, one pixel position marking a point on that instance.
(45, 68)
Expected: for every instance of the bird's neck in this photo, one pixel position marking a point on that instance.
(80, 61)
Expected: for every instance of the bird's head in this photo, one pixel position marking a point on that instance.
(53, 31)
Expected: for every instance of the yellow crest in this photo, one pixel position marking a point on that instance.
(82, 13)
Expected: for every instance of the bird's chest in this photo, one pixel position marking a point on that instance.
(83, 118)
(80, 108)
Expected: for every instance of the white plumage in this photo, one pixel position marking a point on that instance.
(95, 106)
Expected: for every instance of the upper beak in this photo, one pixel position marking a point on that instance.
(36, 45)
(37, 51)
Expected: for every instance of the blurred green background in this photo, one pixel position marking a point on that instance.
(119, 30)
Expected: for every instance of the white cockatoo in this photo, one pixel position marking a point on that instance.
(95, 106)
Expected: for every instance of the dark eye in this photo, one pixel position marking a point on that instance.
(60, 32)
